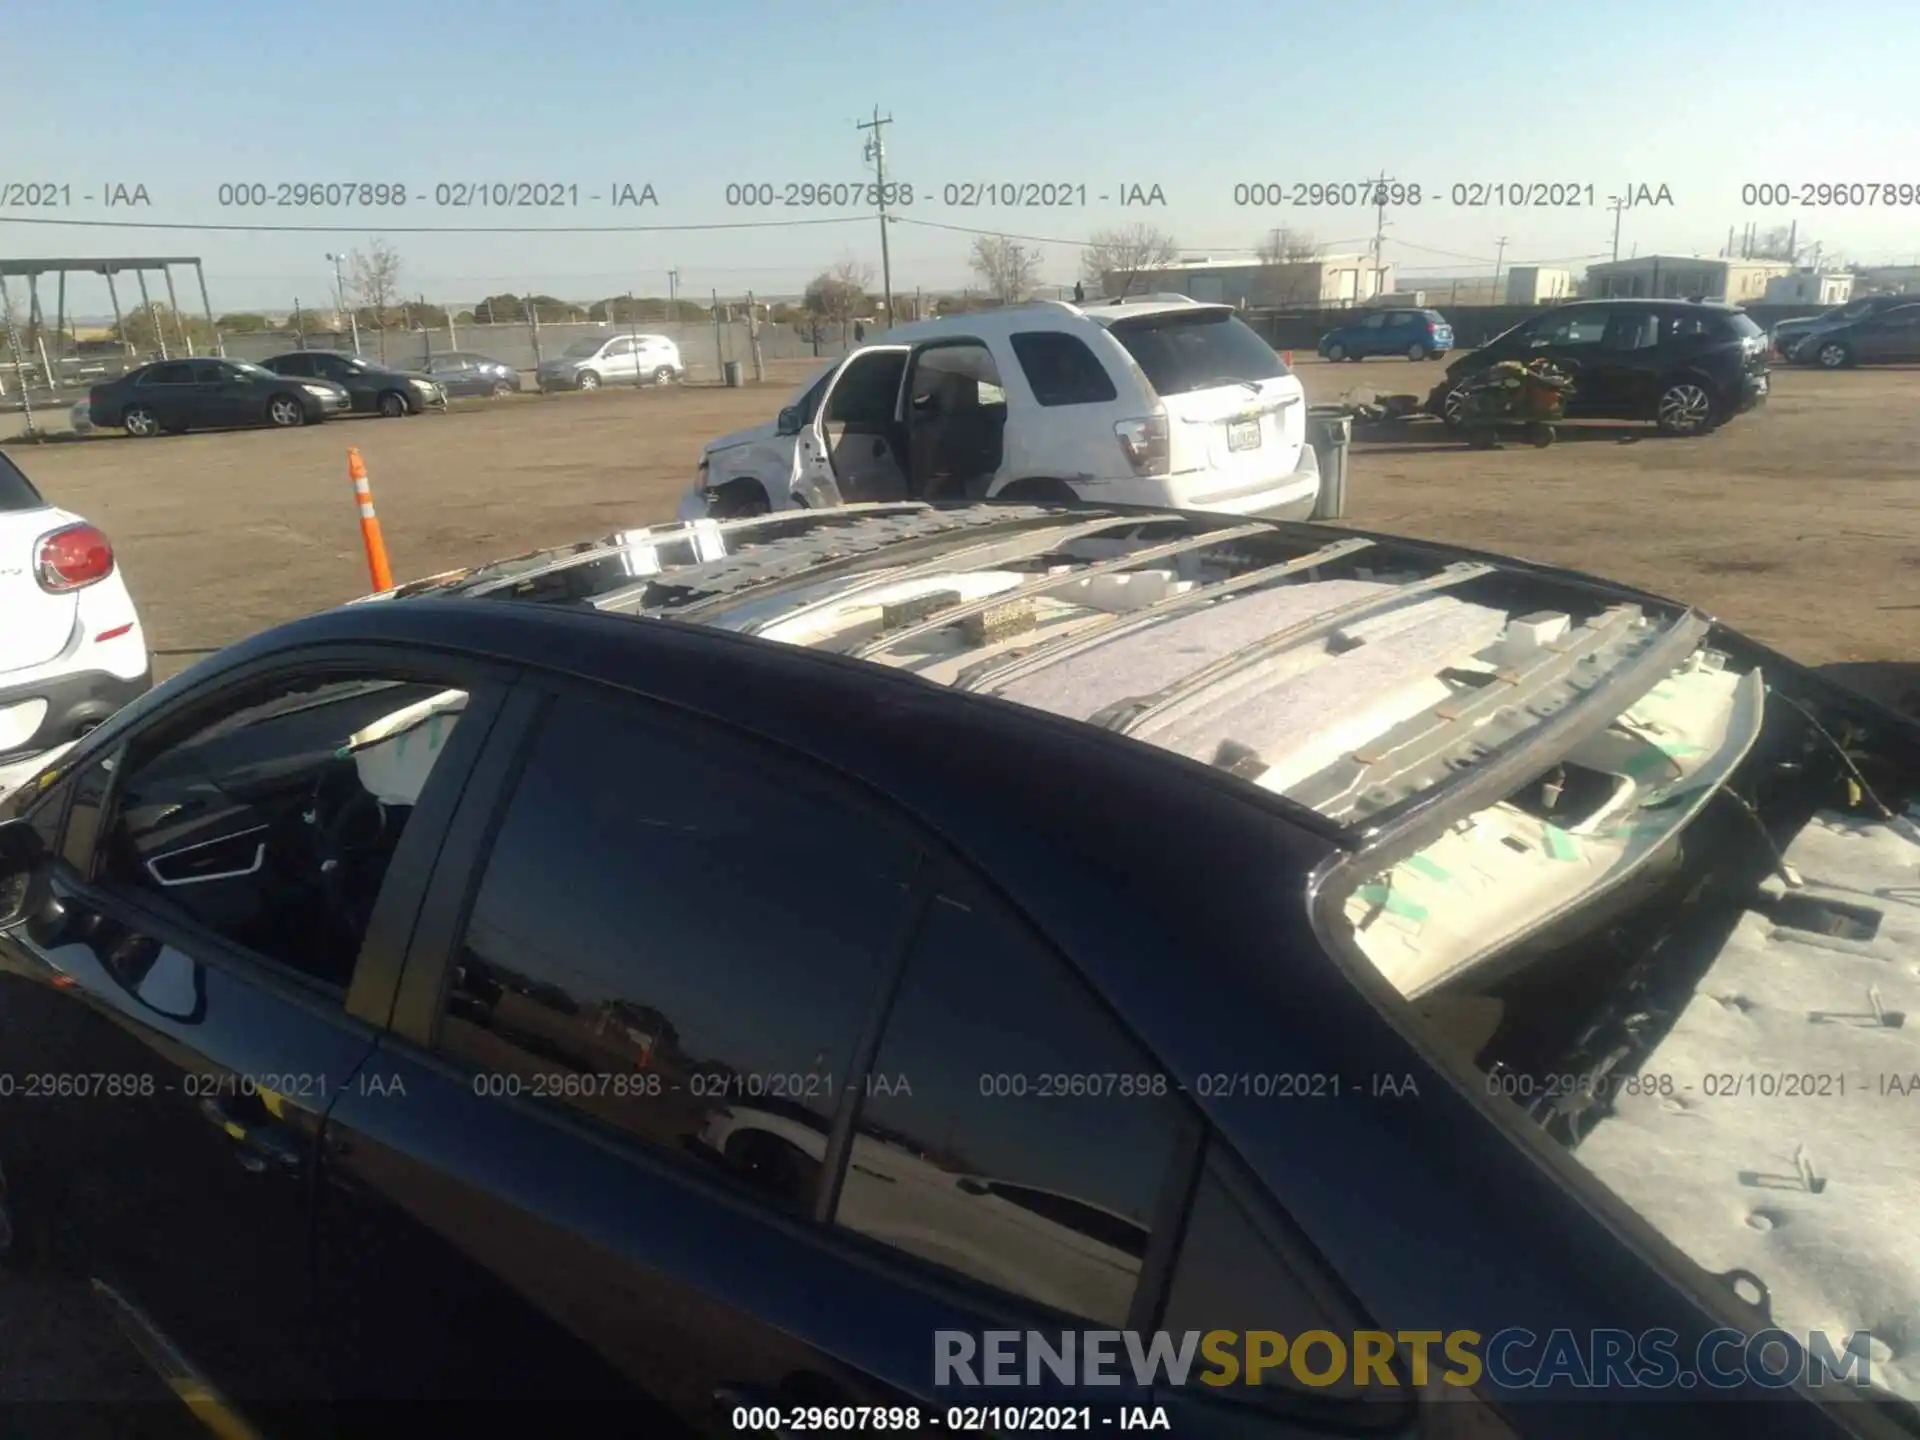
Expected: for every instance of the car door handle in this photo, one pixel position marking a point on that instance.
(260, 1146)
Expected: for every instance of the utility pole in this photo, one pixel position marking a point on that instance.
(753, 336)
(1618, 204)
(877, 152)
(1379, 231)
(340, 294)
(673, 295)
(1499, 255)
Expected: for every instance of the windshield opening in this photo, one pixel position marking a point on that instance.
(582, 349)
(1181, 352)
(1668, 947)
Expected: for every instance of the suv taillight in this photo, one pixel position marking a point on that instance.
(1145, 444)
(72, 559)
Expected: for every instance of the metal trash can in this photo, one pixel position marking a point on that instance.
(1330, 432)
(730, 373)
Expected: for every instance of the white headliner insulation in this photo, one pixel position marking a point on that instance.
(1838, 1246)
(1182, 645)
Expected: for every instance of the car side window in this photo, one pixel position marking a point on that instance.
(173, 373)
(680, 936)
(209, 372)
(294, 365)
(1572, 329)
(1238, 1268)
(1061, 370)
(273, 824)
(332, 367)
(1010, 1129)
(1373, 321)
(616, 349)
(1633, 330)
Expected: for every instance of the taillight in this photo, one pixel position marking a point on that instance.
(1145, 444)
(72, 559)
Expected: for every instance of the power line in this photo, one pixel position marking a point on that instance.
(373, 228)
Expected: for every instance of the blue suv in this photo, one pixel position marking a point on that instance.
(1416, 334)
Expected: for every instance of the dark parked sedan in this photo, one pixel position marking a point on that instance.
(999, 919)
(1889, 335)
(462, 373)
(175, 396)
(375, 389)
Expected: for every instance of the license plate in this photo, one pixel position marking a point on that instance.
(1243, 435)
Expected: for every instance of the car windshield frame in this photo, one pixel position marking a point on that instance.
(1172, 373)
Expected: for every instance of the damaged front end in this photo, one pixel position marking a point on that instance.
(1684, 940)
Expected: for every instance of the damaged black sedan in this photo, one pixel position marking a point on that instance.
(718, 958)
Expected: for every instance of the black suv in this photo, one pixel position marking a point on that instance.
(1687, 366)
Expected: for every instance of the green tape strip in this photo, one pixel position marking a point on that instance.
(1647, 758)
(1678, 748)
(1430, 868)
(1561, 845)
(1393, 904)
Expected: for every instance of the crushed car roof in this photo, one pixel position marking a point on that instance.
(1350, 676)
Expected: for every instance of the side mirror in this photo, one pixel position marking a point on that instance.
(788, 422)
(22, 853)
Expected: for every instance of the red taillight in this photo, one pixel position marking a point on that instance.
(1144, 443)
(72, 559)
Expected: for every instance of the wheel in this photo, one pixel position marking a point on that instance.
(663, 376)
(285, 412)
(1039, 490)
(1833, 355)
(501, 389)
(589, 380)
(393, 405)
(1453, 408)
(1416, 352)
(1542, 435)
(1685, 408)
(740, 500)
(140, 421)
(1336, 353)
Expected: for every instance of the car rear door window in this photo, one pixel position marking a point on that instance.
(294, 365)
(1182, 350)
(1061, 370)
(1011, 1130)
(172, 373)
(678, 936)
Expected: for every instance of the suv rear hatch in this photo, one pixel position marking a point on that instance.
(37, 624)
(1439, 332)
(1754, 344)
(1236, 416)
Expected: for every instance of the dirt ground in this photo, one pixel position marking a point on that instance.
(1799, 524)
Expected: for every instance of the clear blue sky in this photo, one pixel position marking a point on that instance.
(184, 96)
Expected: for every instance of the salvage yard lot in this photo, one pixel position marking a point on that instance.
(1800, 524)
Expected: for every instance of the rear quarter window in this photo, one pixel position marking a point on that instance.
(1740, 326)
(1061, 370)
(1180, 351)
(16, 491)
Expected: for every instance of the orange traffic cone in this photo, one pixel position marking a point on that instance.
(370, 536)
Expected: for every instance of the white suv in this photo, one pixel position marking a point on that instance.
(71, 647)
(1159, 400)
(612, 360)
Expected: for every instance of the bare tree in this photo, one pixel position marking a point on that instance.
(373, 283)
(1121, 255)
(1287, 272)
(1006, 267)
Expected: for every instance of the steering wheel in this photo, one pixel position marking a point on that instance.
(344, 824)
